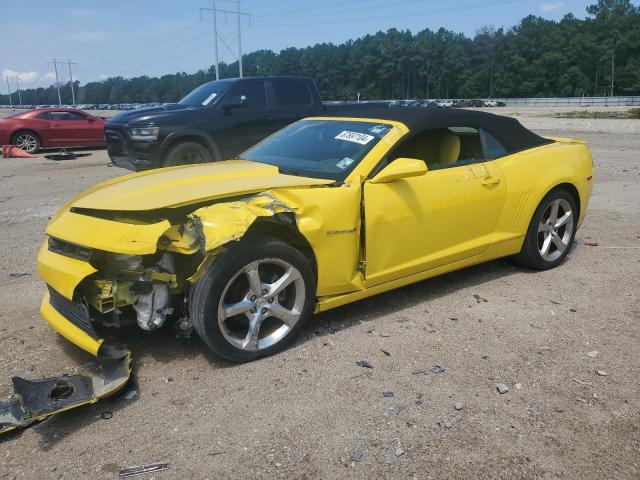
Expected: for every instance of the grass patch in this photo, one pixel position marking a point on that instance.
(631, 113)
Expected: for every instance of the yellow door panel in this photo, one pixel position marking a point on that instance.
(419, 223)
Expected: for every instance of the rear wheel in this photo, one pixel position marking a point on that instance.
(27, 141)
(253, 301)
(551, 232)
(186, 153)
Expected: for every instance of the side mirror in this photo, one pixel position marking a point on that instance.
(236, 101)
(400, 168)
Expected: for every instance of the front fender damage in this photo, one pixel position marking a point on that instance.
(214, 226)
(35, 400)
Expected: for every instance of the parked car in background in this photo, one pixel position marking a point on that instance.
(51, 127)
(217, 120)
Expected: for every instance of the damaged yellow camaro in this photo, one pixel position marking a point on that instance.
(325, 212)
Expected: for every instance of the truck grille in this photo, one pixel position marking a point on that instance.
(115, 139)
(76, 312)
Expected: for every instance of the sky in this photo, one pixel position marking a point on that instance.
(155, 37)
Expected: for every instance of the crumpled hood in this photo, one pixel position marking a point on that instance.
(178, 186)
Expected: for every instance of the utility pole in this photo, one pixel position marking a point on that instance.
(55, 66)
(19, 94)
(239, 41)
(613, 70)
(9, 89)
(73, 96)
(236, 12)
(215, 35)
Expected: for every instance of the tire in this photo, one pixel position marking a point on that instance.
(225, 330)
(27, 141)
(186, 153)
(548, 242)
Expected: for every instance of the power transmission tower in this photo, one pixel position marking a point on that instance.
(613, 70)
(9, 89)
(55, 65)
(17, 79)
(238, 13)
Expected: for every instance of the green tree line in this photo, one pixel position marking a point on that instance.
(535, 58)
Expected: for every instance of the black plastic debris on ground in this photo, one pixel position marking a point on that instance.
(65, 154)
(436, 369)
(364, 364)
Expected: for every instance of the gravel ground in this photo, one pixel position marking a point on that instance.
(311, 412)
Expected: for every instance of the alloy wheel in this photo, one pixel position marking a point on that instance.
(555, 230)
(261, 304)
(27, 142)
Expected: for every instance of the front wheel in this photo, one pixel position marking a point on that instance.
(551, 232)
(27, 141)
(186, 153)
(253, 301)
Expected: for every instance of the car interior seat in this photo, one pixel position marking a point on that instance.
(449, 149)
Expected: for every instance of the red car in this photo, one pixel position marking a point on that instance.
(51, 127)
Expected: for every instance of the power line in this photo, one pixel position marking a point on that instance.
(17, 79)
(333, 20)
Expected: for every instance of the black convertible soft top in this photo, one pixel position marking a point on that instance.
(509, 131)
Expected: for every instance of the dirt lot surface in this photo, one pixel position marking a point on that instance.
(311, 412)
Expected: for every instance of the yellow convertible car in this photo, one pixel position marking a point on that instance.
(325, 212)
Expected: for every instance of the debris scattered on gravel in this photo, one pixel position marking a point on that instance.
(559, 409)
(364, 364)
(397, 409)
(388, 394)
(592, 354)
(357, 456)
(106, 415)
(584, 383)
(436, 369)
(518, 386)
(385, 352)
(458, 405)
(602, 373)
(398, 449)
(133, 471)
(448, 423)
(479, 299)
(590, 243)
(502, 388)
(18, 274)
(419, 371)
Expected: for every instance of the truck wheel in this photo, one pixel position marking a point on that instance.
(186, 153)
(27, 141)
(253, 301)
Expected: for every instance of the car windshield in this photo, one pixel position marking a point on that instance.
(205, 94)
(319, 148)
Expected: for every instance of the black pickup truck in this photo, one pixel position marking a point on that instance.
(217, 120)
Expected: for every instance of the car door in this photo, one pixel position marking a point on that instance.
(244, 109)
(69, 128)
(447, 215)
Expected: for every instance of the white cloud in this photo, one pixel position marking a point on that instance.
(25, 77)
(551, 7)
(48, 76)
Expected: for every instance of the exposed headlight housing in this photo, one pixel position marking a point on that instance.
(144, 134)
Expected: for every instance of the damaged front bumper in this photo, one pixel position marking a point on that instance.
(35, 400)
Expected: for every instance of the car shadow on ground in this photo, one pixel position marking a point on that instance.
(163, 346)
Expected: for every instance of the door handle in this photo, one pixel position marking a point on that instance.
(490, 180)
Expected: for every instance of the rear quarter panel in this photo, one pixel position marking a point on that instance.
(533, 173)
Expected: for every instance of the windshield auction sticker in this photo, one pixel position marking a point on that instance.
(355, 137)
